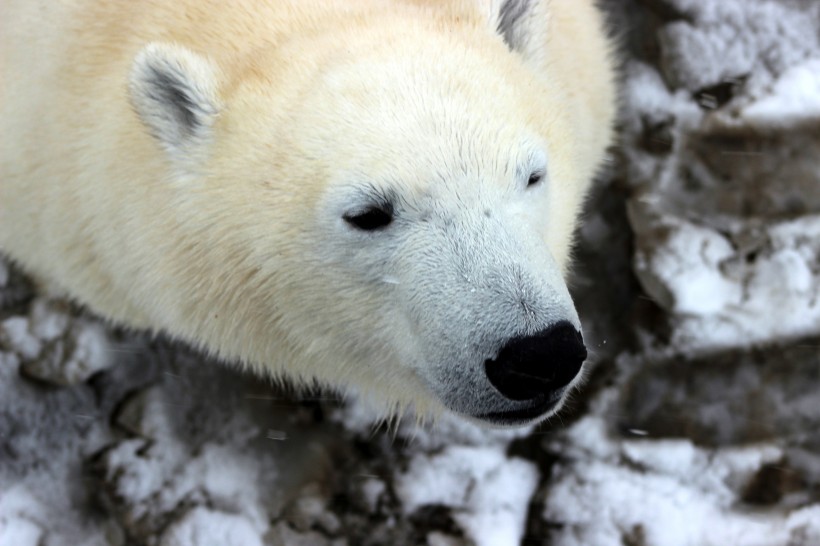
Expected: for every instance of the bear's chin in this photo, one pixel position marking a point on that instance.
(517, 414)
(521, 417)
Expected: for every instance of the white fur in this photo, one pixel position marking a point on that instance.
(223, 223)
(160, 69)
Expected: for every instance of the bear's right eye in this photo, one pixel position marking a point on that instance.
(372, 218)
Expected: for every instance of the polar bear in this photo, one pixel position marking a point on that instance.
(376, 195)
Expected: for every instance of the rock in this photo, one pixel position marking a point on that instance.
(16, 336)
(437, 538)
(142, 414)
(487, 492)
(14, 286)
(82, 352)
(771, 483)
(310, 511)
(50, 319)
(283, 535)
(758, 38)
(728, 398)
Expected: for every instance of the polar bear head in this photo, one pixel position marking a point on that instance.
(385, 205)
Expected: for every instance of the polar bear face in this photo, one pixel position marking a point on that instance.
(439, 240)
(406, 221)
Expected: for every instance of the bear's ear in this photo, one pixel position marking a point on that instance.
(174, 92)
(522, 23)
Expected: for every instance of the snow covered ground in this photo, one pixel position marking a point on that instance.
(699, 284)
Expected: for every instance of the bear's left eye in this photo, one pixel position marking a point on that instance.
(372, 218)
(535, 178)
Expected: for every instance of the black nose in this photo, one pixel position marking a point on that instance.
(532, 366)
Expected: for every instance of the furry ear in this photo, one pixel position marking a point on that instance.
(512, 15)
(520, 22)
(174, 92)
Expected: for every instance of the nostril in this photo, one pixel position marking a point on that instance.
(532, 366)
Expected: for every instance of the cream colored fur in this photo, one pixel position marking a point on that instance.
(230, 235)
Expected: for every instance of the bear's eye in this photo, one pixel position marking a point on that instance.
(372, 218)
(535, 178)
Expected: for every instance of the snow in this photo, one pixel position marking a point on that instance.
(720, 298)
(28, 518)
(18, 515)
(793, 98)
(203, 527)
(609, 491)
(14, 333)
(48, 321)
(727, 246)
(726, 39)
(687, 272)
(20, 532)
(373, 489)
(43, 438)
(718, 244)
(53, 347)
(109, 438)
(489, 492)
(158, 472)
